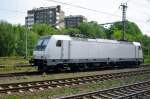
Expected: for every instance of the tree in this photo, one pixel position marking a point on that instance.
(91, 29)
(44, 29)
(20, 38)
(7, 40)
(132, 31)
(12, 37)
(32, 40)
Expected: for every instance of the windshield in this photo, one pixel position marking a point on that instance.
(42, 43)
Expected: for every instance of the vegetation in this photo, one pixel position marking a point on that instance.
(12, 60)
(146, 59)
(12, 37)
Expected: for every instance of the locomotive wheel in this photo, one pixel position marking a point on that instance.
(39, 68)
(42, 68)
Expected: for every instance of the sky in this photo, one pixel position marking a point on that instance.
(138, 11)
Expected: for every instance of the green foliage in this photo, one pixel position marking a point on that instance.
(146, 59)
(6, 39)
(32, 40)
(132, 33)
(117, 35)
(19, 35)
(12, 37)
(92, 30)
(43, 29)
(70, 31)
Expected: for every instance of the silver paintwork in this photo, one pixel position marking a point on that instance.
(88, 50)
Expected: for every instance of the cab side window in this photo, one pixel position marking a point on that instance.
(140, 48)
(59, 43)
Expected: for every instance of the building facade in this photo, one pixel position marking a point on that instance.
(49, 15)
(72, 20)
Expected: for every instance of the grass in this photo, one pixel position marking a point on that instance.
(146, 59)
(11, 61)
(12, 69)
(57, 92)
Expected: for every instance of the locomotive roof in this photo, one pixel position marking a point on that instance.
(67, 37)
(62, 37)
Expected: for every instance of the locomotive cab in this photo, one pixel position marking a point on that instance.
(139, 52)
(39, 54)
(48, 50)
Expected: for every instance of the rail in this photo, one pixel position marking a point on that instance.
(41, 85)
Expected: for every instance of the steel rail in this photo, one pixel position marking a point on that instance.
(132, 91)
(32, 73)
(17, 65)
(41, 85)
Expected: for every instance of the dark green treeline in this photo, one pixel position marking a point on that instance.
(13, 37)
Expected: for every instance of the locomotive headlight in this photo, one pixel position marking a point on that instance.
(46, 56)
(42, 57)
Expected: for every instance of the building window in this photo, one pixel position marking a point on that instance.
(50, 12)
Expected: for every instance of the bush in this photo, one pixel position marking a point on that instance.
(146, 59)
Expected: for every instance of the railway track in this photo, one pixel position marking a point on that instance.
(67, 82)
(133, 91)
(16, 65)
(33, 73)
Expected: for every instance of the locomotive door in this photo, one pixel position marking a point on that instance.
(65, 49)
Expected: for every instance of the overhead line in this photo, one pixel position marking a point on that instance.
(78, 6)
(64, 3)
(142, 5)
(14, 11)
(98, 11)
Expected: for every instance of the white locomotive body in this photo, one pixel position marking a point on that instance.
(59, 51)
